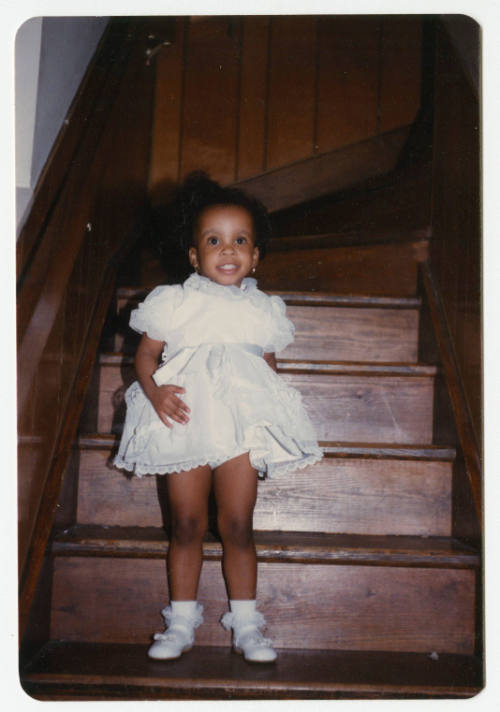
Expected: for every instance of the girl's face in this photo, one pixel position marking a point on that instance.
(225, 251)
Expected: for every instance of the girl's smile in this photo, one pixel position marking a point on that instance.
(225, 251)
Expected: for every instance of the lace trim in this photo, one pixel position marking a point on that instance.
(176, 621)
(315, 455)
(206, 285)
(272, 469)
(246, 629)
(139, 470)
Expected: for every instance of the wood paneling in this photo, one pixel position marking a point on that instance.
(314, 606)
(211, 98)
(348, 80)
(64, 286)
(292, 90)
(253, 97)
(167, 122)
(255, 94)
(400, 80)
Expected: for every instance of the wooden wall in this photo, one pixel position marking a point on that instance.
(86, 205)
(241, 96)
(456, 218)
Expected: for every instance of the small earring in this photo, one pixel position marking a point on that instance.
(253, 270)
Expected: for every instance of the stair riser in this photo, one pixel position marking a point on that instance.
(350, 495)
(307, 606)
(347, 408)
(334, 334)
(386, 270)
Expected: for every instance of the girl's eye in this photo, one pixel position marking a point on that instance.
(240, 240)
(213, 240)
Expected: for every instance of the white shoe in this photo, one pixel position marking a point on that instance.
(247, 638)
(178, 637)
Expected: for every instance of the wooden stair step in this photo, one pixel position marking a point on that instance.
(313, 366)
(342, 604)
(377, 489)
(346, 401)
(134, 295)
(272, 546)
(327, 326)
(74, 670)
(342, 449)
(382, 269)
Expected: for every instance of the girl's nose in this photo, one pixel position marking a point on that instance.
(228, 247)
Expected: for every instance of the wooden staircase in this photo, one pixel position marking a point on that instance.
(366, 590)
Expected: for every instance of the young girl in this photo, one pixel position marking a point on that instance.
(215, 413)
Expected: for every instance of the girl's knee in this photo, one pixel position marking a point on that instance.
(188, 530)
(235, 531)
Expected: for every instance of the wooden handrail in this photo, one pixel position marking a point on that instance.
(458, 399)
(87, 204)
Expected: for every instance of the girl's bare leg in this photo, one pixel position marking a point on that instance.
(235, 485)
(188, 493)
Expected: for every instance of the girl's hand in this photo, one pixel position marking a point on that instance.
(166, 403)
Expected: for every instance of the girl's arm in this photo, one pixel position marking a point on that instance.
(163, 398)
(270, 359)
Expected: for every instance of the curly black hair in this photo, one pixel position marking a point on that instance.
(198, 192)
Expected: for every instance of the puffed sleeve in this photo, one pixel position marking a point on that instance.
(154, 315)
(280, 329)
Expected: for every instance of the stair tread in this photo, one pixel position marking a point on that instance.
(320, 298)
(303, 366)
(307, 547)
(330, 449)
(218, 673)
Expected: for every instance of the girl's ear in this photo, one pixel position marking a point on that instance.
(193, 257)
(255, 257)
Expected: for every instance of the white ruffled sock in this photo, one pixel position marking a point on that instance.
(183, 608)
(243, 608)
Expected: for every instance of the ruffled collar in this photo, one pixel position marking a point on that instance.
(206, 285)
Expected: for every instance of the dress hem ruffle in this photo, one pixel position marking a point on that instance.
(310, 458)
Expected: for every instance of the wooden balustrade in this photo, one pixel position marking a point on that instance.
(454, 269)
(86, 208)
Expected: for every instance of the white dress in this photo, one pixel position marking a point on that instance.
(214, 338)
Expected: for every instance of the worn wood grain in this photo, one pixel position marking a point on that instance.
(401, 51)
(316, 606)
(101, 670)
(276, 546)
(57, 294)
(324, 174)
(362, 406)
(382, 270)
(323, 332)
(167, 119)
(252, 134)
(291, 110)
(347, 80)
(210, 99)
(454, 271)
(340, 494)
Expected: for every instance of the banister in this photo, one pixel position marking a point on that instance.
(86, 207)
